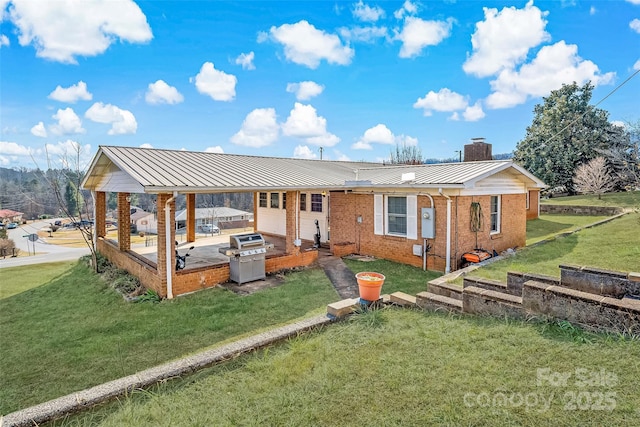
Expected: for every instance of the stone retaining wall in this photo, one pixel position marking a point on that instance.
(580, 210)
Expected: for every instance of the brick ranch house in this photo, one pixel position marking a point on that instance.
(387, 211)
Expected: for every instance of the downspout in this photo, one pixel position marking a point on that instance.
(169, 243)
(448, 253)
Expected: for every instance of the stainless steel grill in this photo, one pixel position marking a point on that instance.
(246, 254)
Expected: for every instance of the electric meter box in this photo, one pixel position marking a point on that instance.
(428, 223)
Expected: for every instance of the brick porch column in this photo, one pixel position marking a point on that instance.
(292, 214)
(256, 197)
(191, 217)
(124, 221)
(100, 198)
(161, 264)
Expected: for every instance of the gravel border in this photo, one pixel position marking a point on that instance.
(78, 401)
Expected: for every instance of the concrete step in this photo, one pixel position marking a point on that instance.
(445, 289)
(431, 301)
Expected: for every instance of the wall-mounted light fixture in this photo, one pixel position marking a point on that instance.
(128, 198)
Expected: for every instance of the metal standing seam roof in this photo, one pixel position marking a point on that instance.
(166, 170)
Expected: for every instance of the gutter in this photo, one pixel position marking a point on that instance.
(448, 253)
(169, 244)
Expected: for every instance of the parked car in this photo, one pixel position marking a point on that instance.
(58, 223)
(210, 228)
(12, 225)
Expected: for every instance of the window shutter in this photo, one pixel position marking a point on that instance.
(378, 214)
(412, 217)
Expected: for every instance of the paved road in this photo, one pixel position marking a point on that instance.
(44, 252)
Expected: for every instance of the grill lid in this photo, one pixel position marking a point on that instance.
(245, 241)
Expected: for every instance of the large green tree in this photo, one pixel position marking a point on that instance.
(566, 132)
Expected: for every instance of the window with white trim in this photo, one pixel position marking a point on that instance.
(303, 201)
(397, 215)
(263, 200)
(275, 200)
(316, 202)
(495, 214)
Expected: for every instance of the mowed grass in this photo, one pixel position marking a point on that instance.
(403, 367)
(398, 277)
(614, 245)
(549, 225)
(629, 199)
(14, 280)
(75, 332)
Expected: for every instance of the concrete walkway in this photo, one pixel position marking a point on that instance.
(75, 402)
(342, 278)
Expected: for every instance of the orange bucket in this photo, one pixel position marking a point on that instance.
(370, 285)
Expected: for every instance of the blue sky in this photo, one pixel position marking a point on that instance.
(294, 79)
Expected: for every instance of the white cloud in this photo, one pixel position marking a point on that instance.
(122, 121)
(72, 93)
(381, 134)
(14, 149)
(474, 112)
(4, 40)
(504, 38)
(592, 10)
(418, 34)
(146, 145)
(341, 156)
(304, 122)
(636, 66)
(554, 65)
(246, 60)
(259, 129)
(39, 130)
(304, 152)
(408, 8)
(619, 124)
(366, 13)
(635, 25)
(161, 93)
(68, 122)
(219, 85)
(305, 90)
(62, 30)
(634, 1)
(364, 34)
(443, 100)
(217, 149)
(306, 45)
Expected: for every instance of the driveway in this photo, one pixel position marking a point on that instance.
(44, 252)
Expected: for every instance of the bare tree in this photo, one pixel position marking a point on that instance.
(593, 177)
(406, 155)
(65, 184)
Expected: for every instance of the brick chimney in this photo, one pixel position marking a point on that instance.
(478, 150)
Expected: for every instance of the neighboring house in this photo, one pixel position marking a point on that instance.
(7, 215)
(423, 215)
(143, 221)
(222, 217)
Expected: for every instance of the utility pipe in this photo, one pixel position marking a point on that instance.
(169, 244)
(424, 241)
(448, 252)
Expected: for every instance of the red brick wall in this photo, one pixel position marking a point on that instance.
(300, 259)
(347, 233)
(191, 217)
(145, 271)
(124, 218)
(534, 200)
(101, 213)
(186, 281)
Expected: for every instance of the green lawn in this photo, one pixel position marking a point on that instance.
(629, 199)
(549, 225)
(18, 279)
(613, 246)
(74, 331)
(403, 367)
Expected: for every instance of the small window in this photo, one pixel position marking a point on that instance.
(495, 214)
(397, 215)
(303, 201)
(284, 200)
(275, 200)
(316, 203)
(263, 200)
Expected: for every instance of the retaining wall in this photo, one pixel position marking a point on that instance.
(580, 210)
